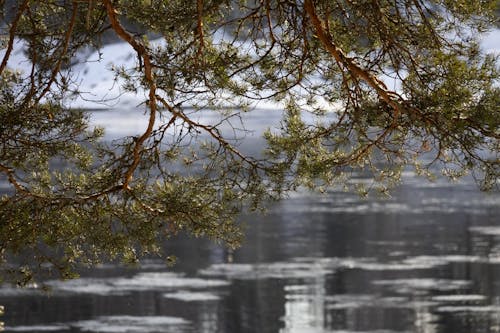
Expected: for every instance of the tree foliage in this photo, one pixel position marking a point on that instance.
(74, 198)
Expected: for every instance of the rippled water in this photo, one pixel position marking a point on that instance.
(425, 260)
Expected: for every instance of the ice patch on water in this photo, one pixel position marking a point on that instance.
(132, 324)
(364, 208)
(406, 264)
(298, 288)
(371, 264)
(320, 330)
(189, 296)
(459, 298)
(101, 287)
(381, 303)
(139, 282)
(159, 280)
(437, 183)
(447, 259)
(469, 308)
(356, 301)
(276, 270)
(434, 261)
(309, 267)
(229, 270)
(485, 201)
(38, 328)
(409, 263)
(381, 207)
(346, 301)
(410, 286)
(487, 230)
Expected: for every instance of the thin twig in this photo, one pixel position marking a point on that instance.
(199, 7)
(67, 39)
(213, 132)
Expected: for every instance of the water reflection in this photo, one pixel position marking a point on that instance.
(426, 260)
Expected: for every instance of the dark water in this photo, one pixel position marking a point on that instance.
(425, 260)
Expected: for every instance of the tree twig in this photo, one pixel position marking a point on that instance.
(67, 39)
(199, 7)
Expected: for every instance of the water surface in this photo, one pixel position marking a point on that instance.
(425, 260)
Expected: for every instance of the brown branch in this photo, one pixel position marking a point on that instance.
(12, 179)
(97, 195)
(12, 35)
(349, 63)
(142, 51)
(269, 21)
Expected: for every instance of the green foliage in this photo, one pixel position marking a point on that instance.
(74, 199)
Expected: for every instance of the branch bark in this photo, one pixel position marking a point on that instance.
(12, 35)
(349, 63)
(143, 53)
(12, 179)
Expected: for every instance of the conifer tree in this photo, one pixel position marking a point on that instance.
(362, 85)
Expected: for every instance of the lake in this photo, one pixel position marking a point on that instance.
(426, 259)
